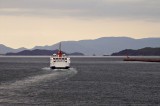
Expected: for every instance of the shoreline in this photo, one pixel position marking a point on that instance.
(142, 59)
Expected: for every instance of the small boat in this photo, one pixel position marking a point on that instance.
(59, 60)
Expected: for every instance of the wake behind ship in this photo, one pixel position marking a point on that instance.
(59, 60)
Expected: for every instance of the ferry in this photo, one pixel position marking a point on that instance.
(59, 60)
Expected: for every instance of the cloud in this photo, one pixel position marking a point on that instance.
(131, 9)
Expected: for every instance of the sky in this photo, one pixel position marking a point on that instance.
(27, 23)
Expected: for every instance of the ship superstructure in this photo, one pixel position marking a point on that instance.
(59, 60)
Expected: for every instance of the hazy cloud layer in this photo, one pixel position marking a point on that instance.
(134, 9)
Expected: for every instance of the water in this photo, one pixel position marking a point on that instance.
(91, 81)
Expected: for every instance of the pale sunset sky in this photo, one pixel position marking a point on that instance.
(27, 23)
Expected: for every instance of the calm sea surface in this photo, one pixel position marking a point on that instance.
(92, 81)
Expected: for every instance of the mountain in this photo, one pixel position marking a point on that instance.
(100, 46)
(76, 54)
(4, 49)
(140, 52)
(104, 45)
(39, 52)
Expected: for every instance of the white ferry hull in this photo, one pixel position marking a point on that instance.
(59, 64)
(53, 67)
(59, 60)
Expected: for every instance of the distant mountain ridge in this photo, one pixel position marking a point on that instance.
(40, 53)
(100, 46)
(104, 45)
(4, 49)
(140, 52)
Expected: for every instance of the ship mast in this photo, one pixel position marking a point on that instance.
(60, 46)
(60, 52)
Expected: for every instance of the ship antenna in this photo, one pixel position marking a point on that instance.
(60, 46)
(60, 52)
